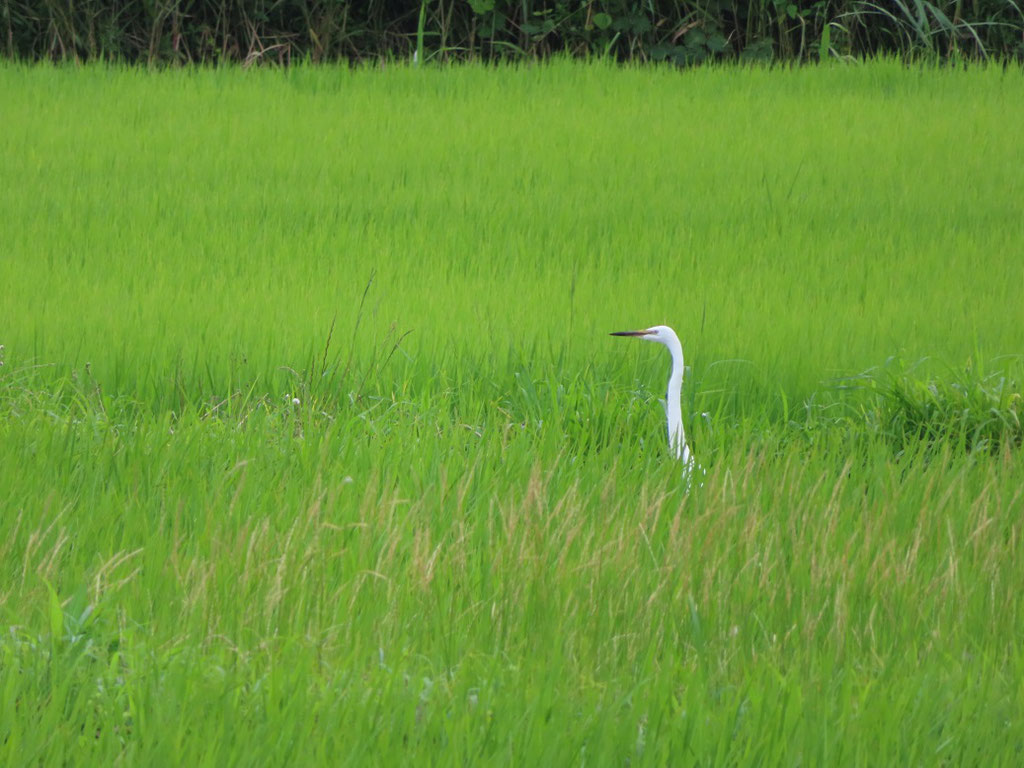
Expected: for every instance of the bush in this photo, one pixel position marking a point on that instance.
(281, 31)
(974, 410)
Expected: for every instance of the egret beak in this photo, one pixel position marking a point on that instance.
(630, 333)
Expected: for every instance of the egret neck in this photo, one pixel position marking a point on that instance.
(665, 336)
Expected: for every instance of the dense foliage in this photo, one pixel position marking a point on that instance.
(208, 31)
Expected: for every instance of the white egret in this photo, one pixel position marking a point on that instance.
(662, 334)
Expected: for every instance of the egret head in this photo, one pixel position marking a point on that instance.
(662, 334)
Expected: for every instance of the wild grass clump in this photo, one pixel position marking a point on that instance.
(967, 408)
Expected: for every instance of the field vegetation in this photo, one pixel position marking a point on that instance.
(172, 32)
(314, 446)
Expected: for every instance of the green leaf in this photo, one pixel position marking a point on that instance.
(661, 51)
(493, 25)
(826, 42)
(602, 20)
(56, 613)
(482, 6)
(758, 50)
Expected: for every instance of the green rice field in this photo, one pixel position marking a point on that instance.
(315, 449)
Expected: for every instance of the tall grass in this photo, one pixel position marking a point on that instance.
(266, 32)
(313, 446)
(227, 220)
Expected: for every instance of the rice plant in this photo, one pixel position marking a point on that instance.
(314, 447)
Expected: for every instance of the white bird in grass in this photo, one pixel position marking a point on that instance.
(662, 334)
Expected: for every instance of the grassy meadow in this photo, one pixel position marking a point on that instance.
(314, 447)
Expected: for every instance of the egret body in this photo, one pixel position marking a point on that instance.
(664, 335)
